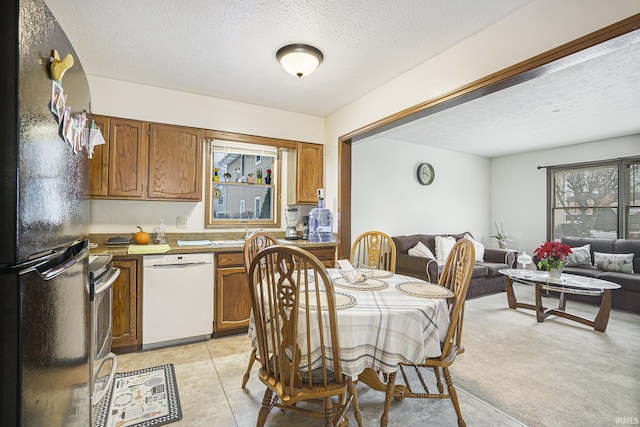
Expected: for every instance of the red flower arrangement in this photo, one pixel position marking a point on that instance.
(269, 171)
(551, 254)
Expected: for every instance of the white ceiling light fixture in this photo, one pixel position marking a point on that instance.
(299, 59)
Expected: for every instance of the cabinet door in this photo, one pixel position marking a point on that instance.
(231, 294)
(175, 162)
(127, 158)
(99, 165)
(127, 305)
(309, 173)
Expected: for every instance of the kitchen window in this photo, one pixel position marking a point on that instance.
(239, 195)
(597, 199)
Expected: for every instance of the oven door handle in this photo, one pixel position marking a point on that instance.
(112, 374)
(106, 283)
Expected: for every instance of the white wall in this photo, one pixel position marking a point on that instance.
(135, 101)
(386, 195)
(518, 187)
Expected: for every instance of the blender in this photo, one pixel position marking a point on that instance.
(292, 216)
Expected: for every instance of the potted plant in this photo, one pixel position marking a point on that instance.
(227, 176)
(259, 175)
(251, 179)
(503, 239)
(550, 256)
(215, 174)
(267, 179)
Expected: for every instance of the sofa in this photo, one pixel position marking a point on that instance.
(628, 296)
(485, 278)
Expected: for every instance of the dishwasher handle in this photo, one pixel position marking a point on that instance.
(183, 264)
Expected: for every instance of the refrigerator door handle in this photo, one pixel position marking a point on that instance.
(70, 257)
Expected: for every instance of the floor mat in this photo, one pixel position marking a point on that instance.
(146, 397)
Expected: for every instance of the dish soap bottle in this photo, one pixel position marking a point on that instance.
(160, 238)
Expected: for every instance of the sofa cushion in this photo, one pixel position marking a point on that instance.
(630, 282)
(479, 247)
(622, 263)
(404, 243)
(599, 245)
(421, 250)
(444, 244)
(478, 271)
(627, 247)
(493, 267)
(579, 257)
(581, 271)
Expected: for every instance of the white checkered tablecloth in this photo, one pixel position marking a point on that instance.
(386, 327)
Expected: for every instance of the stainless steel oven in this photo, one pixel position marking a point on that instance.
(103, 362)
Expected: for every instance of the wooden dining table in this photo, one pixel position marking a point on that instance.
(384, 321)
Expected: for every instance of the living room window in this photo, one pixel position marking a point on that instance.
(598, 199)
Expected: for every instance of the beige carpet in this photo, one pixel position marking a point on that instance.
(555, 373)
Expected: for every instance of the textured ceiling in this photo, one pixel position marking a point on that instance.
(226, 48)
(592, 95)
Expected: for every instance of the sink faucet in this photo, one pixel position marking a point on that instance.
(247, 234)
(246, 230)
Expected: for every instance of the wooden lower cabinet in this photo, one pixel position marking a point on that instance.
(232, 300)
(231, 295)
(127, 305)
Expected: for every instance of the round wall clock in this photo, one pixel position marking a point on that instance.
(425, 173)
(217, 193)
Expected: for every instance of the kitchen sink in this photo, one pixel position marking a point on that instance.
(228, 242)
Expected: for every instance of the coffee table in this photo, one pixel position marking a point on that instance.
(567, 284)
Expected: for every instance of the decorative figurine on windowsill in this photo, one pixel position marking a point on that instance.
(238, 177)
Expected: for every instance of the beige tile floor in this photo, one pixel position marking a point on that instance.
(209, 375)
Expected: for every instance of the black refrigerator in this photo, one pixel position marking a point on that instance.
(44, 290)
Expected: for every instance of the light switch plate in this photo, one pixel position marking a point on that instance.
(182, 222)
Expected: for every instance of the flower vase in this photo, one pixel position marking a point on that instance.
(555, 273)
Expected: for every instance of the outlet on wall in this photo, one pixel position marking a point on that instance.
(182, 222)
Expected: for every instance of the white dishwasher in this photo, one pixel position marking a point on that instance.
(177, 299)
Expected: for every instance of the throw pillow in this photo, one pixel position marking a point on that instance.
(479, 247)
(622, 263)
(444, 244)
(421, 250)
(579, 257)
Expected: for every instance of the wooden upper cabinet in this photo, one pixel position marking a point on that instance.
(127, 158)
(175, 162)
(99, 164)
(308, 174)
(146, 161)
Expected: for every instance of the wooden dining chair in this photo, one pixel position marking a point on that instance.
(254, 244)
(456, 277)
(375, 249)
(296, 328)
